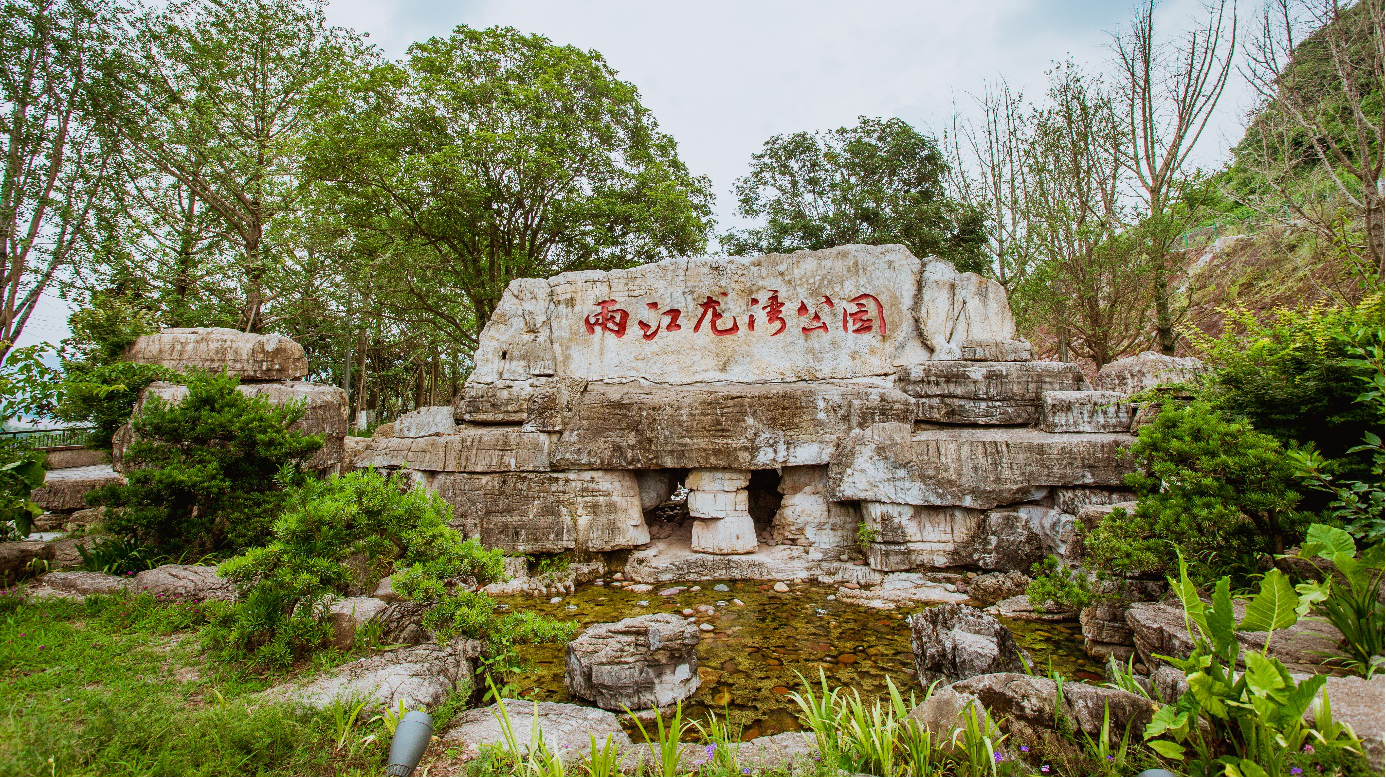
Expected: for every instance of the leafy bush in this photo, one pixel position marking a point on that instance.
(1250, 723)
(105, 396)
(1351, 602)
(210, 471)
(21, 472)
(339, 537)
(1208, 486)
(1300, 377)
(116, 556)
(1056, 582)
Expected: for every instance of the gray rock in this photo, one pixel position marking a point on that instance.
(958, 641)
(1019, 607)
(901, 590)
(418, 676)
(348, 615)
(636, 663)
(220, 349)
(401, 623)
(566, 729)
(956, 392)
(1017, 699)
(66, 489)
(63, 458)
(1159, 629)
(990, 588)
(1361, 704)
(193, 583)
(1145, 371)
(76, 585)
(1086, 412)
(20, 559)
(426, 421)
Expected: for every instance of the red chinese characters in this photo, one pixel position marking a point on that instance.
(863, 314)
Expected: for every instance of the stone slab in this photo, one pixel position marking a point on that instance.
(66, 489)
(220, 349)
(1086, 412)
(740, 426)
(470, 450)
(544, 513)
(1145, 371)
(975, 468)
(999, 393)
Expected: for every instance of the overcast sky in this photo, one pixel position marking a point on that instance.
(723, 76)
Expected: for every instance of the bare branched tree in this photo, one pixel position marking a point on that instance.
(989, 169)
(1316, 146)
(1167, 91)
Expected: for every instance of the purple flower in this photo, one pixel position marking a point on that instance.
(1308, 748)
(997, 756)
(710, 750)
(1110, 758)
(1296, 771)
(1044, 768)
(1024, 749)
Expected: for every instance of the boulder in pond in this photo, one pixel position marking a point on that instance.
(954, 641)
(637, 663)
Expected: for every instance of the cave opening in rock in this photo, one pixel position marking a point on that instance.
(764, 499)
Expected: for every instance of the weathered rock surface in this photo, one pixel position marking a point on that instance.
(958, 641)
(1145, 371)
(185, 582)
(1086, 412)
(807, 517)
(63, 458)
(673, 559)
(990, 588)
(741, 426)
(1159, 629)
(1361, 704)
(1020, 608)
(66, 489)
(566, 729)
(985, 392)
(324, 413)
(418, 676)
(898, 590)
(544, 513)
(469, 450)
(75, 585)
(218, 349)
(974, 468)
(1012, 538)
(1028, 701)
(422, 422)
(636, 663)
(349, 614)
(1073, 499)
(18, 558)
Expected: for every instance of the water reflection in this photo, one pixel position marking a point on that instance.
(761, 639)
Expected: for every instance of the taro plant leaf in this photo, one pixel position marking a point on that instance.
(1310, 593)
(1325, 541)
(1194, 609)
(1273, 607)
(1262, 676)
(1220, 620)
(1301, 697)
(1167, 749)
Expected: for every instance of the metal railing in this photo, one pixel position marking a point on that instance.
(52, 438)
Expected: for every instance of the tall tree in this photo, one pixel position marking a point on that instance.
(214, 98)
(1167, 90)
(491, 155)
(1091, 290)
(1316, 147)
(990, 169)
(55, 163)
(881, 181)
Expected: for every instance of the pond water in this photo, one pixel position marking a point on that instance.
(748, 663)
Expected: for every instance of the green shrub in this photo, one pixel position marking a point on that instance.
(1350, 601)
(105, 396)
(1300, 376)
(1208, 486)
(21, 472)
(339, 537)
(211, 470)
(1056, 582)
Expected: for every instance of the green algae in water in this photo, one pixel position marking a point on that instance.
(751, 660)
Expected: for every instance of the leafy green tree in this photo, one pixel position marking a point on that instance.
(881, 181)
(20, 473)
(1208, 486)
(491, 155)
(208, 473)
(55, 161)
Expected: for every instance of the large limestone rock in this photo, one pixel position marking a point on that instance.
(953, 642)
(985, 392)
(217, 349)
(63, 458)
(845, 312)
(1028, 703)
(419, 677)
(423, 422)
(1011, 538)
(807, 517)
(720, 506)
(1145, 371)
(636, 663)
(1361, 704)
(21, 559)
(1086, 412)
(743, 426)
(75, 585)
(1158, 629)
(545, 513)
(346, 615)
(194, 583)
(566, 729)
(324, 414)
(469, 450)
(66, 489)
(974, 468)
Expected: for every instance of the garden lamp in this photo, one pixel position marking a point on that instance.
(410, 741)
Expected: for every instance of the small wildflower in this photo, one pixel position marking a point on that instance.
(997, 756)
(1044, 768)
(1110, 758)
(42, 647)
(1308, 748)
(710, 750)
(1024, 749)
(1296, 771)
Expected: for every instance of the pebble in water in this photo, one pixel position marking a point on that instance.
(781, 587)
(555, 600)
(738, 602)
(706, 627)
(643, 603)
(688, 611)
(721, 588)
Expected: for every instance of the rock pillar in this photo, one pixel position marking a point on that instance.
(720, 506)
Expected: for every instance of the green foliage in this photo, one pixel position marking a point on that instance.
(1054, 581)
(1303, 376)
(1210, 487)
(209, 472)
(117, 556)
(865, 535)
(665, 742)
(29, 386)
(1250, 723)
(1350, 601)
(105, 396)
(881, 181)
(20, 473)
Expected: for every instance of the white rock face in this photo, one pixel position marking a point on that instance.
(217, 349)
(637, 663)
(1146, 370)
(807, 517)
(985, 392)
(719, 502)
(1086, 412)
(734, 534)
(423, 422)
(845, 312)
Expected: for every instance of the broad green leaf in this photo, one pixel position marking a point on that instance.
(1166, 719)
(1325, 541)
(1250, 769)
(1274, 605)
(1299, 699)
(1194, 609)
(1311, 592)
(1220, 619)
(1167, 749)
(1261, 676)
(1202, 686)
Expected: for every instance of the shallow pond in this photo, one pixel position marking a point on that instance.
(748, 663)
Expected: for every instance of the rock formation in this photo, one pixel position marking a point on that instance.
(953, 642)
(637, 663)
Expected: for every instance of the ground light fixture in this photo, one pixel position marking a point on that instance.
(410, 741)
